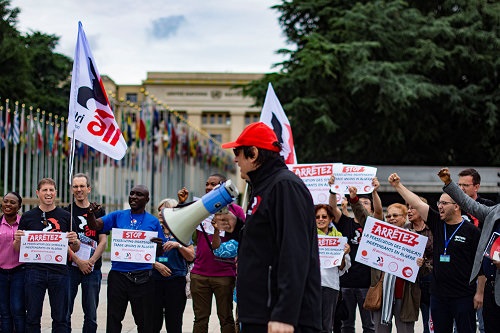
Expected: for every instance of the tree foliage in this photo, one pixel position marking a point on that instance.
(30, 70)
(391, 82)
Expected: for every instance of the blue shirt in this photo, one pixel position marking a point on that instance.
(123, 219)
(174, 260)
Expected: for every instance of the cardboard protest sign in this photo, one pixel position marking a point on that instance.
(331, 250)
(358, 176)
(133, 246)
(391, 249)
(44, 247)
(316, 177)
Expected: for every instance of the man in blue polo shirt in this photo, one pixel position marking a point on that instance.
(129, 282)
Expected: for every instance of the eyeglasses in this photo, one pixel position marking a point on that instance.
(237, 150)
(465, 185)
(321, 217)
(44, 219)
(444, 203)
(388, 216)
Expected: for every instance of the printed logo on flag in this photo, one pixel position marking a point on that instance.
(91, 119)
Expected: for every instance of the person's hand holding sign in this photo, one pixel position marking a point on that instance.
(353, 192)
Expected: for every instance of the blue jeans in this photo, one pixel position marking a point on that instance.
(356, 297)
(37, 281)
(445, 309)
(91, 286)
(12, 309)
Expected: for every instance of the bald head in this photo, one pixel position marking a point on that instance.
(138, 198)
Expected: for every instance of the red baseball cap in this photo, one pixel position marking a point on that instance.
(257, 134)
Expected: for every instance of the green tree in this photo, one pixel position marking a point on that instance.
(50, 72)
(391, 82)
(15, 80)
(30, 70)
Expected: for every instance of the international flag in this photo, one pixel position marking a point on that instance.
(91, 118)
(15, 129)
(39, 137)
(274, 116)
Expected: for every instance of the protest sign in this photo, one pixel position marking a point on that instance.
(133, 245)
(353, 175)
(44, 247)
(331, 250)
(492, 250)
(316, 177)
(391, 249)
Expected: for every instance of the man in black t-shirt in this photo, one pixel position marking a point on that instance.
(45, 276)
(454, 244)
(86, 267)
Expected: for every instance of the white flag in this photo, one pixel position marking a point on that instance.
(272, 114)
(91, 119)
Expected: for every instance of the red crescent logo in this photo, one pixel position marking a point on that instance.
(407, 271)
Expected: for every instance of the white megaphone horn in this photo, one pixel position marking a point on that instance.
(183, 222)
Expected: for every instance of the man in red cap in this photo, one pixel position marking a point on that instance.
(278, 283)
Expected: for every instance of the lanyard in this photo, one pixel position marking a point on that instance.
(448, 240)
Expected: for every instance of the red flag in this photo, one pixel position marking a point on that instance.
(91, 118)
(141, 130)
(272, 115)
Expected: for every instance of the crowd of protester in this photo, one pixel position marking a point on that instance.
(455, 286)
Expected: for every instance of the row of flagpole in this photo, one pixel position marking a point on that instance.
(34, 144)
(185, 154)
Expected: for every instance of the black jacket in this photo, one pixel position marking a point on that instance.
(278, 262)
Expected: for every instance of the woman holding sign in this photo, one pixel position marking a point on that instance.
(330, 282)
(400, 298)
(12, 309)
(169, 277)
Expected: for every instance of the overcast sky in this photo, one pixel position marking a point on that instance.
(128, 38)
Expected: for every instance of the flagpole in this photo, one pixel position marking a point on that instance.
(21, 151)
(41, 169)
(55, 159)
(14, 153)
(70, 175)
(6, 157)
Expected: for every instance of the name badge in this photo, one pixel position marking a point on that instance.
(444, 258)
(163, 259)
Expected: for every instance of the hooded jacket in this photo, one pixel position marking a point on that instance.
(278, 262)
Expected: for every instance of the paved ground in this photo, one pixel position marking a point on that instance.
(128, 323)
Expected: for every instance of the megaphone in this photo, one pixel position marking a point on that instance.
(183, 222)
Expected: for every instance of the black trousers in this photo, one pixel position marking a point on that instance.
(491, 311)
(121, 291)
(169, 304)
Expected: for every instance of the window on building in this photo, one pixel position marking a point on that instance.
(251, 117)
(216, 118)
(217, 137)
(132, 97)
